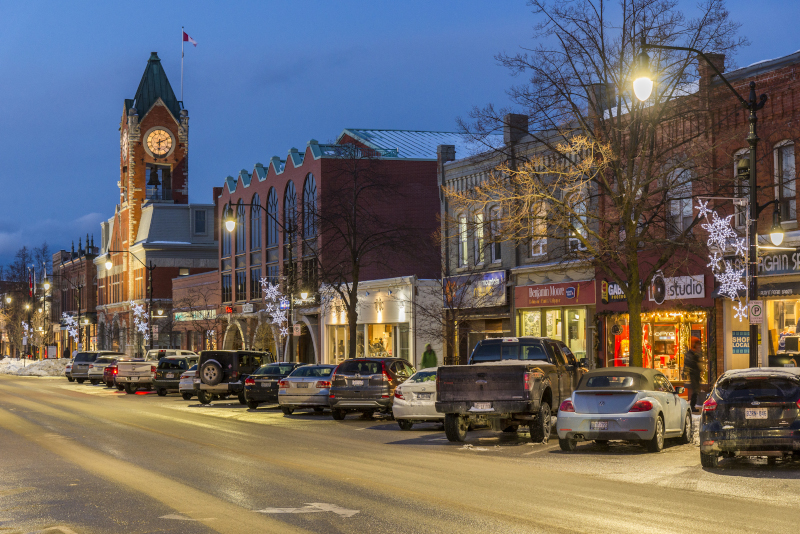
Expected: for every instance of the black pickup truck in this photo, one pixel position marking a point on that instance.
(508, 382)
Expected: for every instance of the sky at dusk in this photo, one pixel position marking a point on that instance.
(265, 76)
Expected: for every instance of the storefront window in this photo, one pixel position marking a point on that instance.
(380, 340)
(337, 344)
(402, 335)
(532, 323)
(666, 337)
(782, 318)
(576, 331)
(553, 324)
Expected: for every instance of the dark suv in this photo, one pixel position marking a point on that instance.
(366, 385)
(169, 371)
(223, 372)
(752, 412)
(262, 385)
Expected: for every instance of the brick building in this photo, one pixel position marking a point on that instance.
(196, 314)
(153, 225)
(260, 248)
(74, 292)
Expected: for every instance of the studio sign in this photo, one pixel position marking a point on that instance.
(677, 288)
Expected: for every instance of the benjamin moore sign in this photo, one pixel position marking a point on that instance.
(684, 287)
(565, 294)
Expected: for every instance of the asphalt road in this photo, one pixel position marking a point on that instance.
(85, 459)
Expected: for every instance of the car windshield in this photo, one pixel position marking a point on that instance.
(609, 382)
(172, 365)
(759, 388)
(105, 360)
(312, 371)
(494, 352)
(361, 367)
(86, 357)
(275, 369)
(423, 376)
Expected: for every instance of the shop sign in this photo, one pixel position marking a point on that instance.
(785, 289)
(779, 263)
(611, 292)
(741, 342)
(247, 308)
(756, 311)
(682, 288)
(476, 290)
(564, 294)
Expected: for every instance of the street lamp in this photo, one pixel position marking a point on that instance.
(229, 218)
(642, 90)
(109, 263)
(8, 299)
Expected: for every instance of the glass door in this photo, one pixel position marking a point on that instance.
(576, 332)
(552, 324)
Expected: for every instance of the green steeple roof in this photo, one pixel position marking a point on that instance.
(155, 85)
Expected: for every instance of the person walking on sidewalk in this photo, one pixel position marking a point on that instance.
(692, 363)
(429, 358)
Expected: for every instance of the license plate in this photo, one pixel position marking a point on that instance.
(134, 378)
(170, 375)
(482, 405)
(303, 384)
(264, 385)
(357, 383)
(423, 395)
(755, 413)
(598, 425)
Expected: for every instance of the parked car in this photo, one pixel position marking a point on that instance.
(82, 360)
(223, 372)
(169, 370)
(262, 385)
(366, 385)
(308, 386)
(134, 373)
(110, 375)
(752, 412)
(68, 371)
(415, 400)
(186, 384)
(624, 403)
(508, 383)
(97, 367)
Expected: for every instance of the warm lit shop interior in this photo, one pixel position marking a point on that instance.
(382, 341)
(565, 324)
(665, 339)
(782, 318)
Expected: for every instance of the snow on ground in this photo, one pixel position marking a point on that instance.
(12, 366)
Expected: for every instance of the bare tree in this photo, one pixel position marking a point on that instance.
(613, 179)
(197, 309)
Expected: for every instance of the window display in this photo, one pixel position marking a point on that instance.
(782, 321)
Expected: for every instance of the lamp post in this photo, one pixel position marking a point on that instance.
(229, 219)
(109, 265)
(642, 87)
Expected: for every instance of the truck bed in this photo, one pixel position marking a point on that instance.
(482, 382)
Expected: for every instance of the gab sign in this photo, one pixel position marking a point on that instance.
(756, 311)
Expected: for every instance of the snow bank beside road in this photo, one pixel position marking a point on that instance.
(12, 366)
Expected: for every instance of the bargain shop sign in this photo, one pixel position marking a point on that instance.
(782, 263)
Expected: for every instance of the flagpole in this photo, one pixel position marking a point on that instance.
(182, 32)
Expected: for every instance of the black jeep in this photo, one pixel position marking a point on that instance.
(223, 372)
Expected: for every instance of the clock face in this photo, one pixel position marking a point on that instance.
(125, 145)
(159, 142)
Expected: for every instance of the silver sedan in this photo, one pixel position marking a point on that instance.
(308, 386)
(624, 403)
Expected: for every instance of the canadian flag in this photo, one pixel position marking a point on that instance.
(189, 39)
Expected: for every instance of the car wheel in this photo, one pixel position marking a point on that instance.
(657, 443)
(511, 428)
(211, 373)
(120, 387)
(80, 380)
(686, 437)
(242, 398)
(540, 427)
(568, 445)
(338, 415)
(455, 427)
(710, 461)
(94, 382)
(70, 379)
(405, 424)
(252, 405)
(204, 397)
(286, 410)
(186, 396)
(161, 392)
(130, 390)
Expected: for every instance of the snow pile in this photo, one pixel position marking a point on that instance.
(12, 366)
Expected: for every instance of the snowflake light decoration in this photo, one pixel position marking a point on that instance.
(715, 258)
(719, 231)
(71, 324)
(274, 300)
(740, 245)
(702, 208)
(740, 311)
(140, 320)
(730, 281)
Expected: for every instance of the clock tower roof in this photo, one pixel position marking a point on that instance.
(154, 85)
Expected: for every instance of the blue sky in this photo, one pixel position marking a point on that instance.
(266, 76)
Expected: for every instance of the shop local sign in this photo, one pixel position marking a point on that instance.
(683, 287)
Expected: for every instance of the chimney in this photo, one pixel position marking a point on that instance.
(515, 127)
(706, 71)
(444, 153)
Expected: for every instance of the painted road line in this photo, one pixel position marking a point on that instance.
(311, 508)
(180, 517)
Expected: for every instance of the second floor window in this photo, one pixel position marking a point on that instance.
(226, 288)
(539, 230)
(241, 229)
(480, 245)
(681, 213)
(494, 234)
(578, 221)
(255, 224)
(786, 181)
(462, 240)
(740, 189)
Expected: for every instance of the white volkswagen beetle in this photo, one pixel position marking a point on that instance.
(415, 400)
(624, 403)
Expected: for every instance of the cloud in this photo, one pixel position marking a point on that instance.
(57, 233)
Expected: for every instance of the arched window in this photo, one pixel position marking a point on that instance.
(289, 213)
(272, 218)
(241, 229)
(255, 223)
(310, 207)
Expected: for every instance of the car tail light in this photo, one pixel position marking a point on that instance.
(152, 368)
(234, 374)
(399, 394)
(386, 377)
(798, 404)
(566, 406)
(322, 384)
(115, 370)
(710, 405)
(283, 384)
(641, 406)
(249, 382)
(184, 377)
(91, 366)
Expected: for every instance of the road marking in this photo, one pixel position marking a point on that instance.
(311, 508)
(61, 528)
(184, 518)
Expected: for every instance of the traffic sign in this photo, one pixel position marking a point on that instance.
(756, 311)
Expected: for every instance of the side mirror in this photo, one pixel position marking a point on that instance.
(569, 367)
(680, 390)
